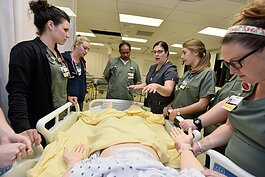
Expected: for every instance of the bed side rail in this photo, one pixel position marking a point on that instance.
(121, 105)
(19, 169)
(60, 125)
(222, 164)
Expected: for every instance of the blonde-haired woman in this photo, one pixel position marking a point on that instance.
(76, 87)
(243, 50)
(197, 86)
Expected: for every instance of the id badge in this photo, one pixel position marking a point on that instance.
(130, 75)
(65, 71)
(79, 71)
(182, 86)
(232, 102)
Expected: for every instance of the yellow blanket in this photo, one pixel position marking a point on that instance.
(106, 128)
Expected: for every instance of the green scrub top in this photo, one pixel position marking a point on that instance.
(232, 87)
(246, 147)
(193, 87)
(59, 82)
(120, 76)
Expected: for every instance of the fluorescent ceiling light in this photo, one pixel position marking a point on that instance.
(213, 31)
(85, 34)
(173, 53)
(135, 48)
(134, 39)
(177, 45)
(98, 44)
(68, 11)
(140, 20)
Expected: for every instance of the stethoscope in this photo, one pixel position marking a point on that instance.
(75, 65)
(117, 62)
(58, 59)
(53, 59)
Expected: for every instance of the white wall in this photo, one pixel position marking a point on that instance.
(97, 60)
(16, 25)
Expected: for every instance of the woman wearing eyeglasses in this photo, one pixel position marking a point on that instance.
(243, 50)
(160, 80)
(197, 86)
(76, 86)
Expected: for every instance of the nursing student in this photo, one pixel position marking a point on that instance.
(197, 86)
(243, 50)
(76, 86)
(160, 80)
(37, 72)
(235, 86)
(120, 73)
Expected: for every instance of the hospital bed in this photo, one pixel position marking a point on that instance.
(18, 169)
(218, 162)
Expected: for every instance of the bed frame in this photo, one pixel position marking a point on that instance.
(19, 169)
(218, 162)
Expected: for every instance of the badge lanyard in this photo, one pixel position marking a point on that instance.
(184, 83)
(77, 68)
(117, 62)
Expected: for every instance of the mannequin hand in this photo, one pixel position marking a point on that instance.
(75, 156)
(180, 138)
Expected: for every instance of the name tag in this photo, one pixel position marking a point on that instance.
(232, 102)
(65, 71)
(130, 75)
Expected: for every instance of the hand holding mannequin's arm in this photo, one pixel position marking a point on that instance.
(217, 138)
(183, 144)
(7, 135)
(213, 116)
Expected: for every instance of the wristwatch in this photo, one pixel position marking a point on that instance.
(198, 123)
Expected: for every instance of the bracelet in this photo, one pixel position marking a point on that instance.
(200, 146)
(187, 148)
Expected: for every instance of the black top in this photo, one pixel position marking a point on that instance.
(29, 85)
(167, 72)
(76, 85)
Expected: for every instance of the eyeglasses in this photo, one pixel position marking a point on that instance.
(157, 52)
(237, 63)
